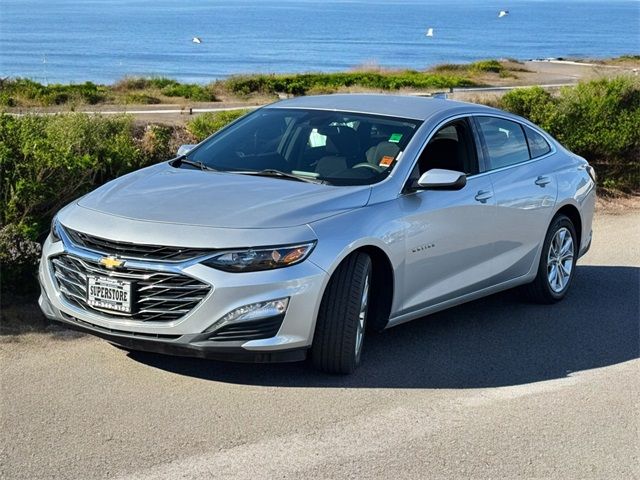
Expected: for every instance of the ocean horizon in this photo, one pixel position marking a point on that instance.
(105, 40)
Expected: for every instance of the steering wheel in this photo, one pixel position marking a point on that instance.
(375, 168)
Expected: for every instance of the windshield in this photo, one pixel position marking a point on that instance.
(337, 148)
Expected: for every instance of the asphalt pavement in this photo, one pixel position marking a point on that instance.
(497, 388)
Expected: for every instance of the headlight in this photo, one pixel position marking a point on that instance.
(55, 236)
(256, 259)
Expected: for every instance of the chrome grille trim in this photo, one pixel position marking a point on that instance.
(161, 296)
(138, 251)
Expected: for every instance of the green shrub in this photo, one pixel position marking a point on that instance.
(140, 99)
(131, 83)
(190, 91)
(534, 103)
(161, 82)
(142, 83)
(492, 66)
(48, 161)
(598, 120)
(19, 256)
(208, 123)
(20, 91)
(301, 84)
(156, 143)
(601, 118)
(449, 67)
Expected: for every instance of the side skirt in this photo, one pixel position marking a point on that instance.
(428, 310)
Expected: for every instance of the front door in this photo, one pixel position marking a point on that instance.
(449, 234)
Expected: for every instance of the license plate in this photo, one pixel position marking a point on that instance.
(109, 293)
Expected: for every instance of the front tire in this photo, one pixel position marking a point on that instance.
(557, 263)
(341, 324)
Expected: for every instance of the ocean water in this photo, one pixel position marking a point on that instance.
(104, 40)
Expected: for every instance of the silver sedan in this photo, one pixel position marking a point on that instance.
(301, 226)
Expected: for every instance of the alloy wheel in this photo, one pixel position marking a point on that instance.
(560, 260)
(362, 316)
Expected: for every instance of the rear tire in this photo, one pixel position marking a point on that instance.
(557, 263)
(341, 323)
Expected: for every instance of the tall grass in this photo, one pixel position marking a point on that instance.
(301, 84)
(24, 92)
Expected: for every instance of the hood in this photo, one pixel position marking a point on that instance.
(183, 196)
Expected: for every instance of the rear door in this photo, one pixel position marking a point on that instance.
(449, 233)
(519, 162)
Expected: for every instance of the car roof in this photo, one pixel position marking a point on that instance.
(403, 106)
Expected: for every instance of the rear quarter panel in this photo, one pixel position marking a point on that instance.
(575, 187)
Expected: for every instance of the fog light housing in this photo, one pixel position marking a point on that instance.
(251, 312)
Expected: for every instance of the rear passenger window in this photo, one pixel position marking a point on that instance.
(504, 140)
(538, 146)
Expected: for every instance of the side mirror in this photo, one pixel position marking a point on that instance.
(440, 179)
(184, 149)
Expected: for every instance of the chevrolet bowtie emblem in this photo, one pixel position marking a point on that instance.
(111, 262)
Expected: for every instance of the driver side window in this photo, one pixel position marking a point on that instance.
(451, 148)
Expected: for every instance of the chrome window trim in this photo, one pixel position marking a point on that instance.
(424, 144)
(473, 115)
(522, 125)
(501, 169)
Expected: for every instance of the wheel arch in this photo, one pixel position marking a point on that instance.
(383, 282)
(573, 213)
(383, 287)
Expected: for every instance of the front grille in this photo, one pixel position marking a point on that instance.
(159, 296)
(245, 331)
(134, 250)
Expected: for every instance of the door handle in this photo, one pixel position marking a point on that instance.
(483, 195)
(542, 181)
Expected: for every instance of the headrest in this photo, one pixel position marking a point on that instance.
(341, 140)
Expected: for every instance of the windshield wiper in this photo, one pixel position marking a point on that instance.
(272, 172)
(180, 160)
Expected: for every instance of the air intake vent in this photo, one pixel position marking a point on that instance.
(245, 331)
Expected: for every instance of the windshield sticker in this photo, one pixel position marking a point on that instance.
(395, 137)
(386, 161)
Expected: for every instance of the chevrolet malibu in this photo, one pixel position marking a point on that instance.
(306, 223)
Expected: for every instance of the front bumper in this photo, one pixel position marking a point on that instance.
(303, 284)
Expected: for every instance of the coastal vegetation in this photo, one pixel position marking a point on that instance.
(307, 83)
(23, 92)
(599, 120)
(47, 161)
(204, 125)
(137, 90)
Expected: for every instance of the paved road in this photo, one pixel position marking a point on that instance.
(493, 389)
